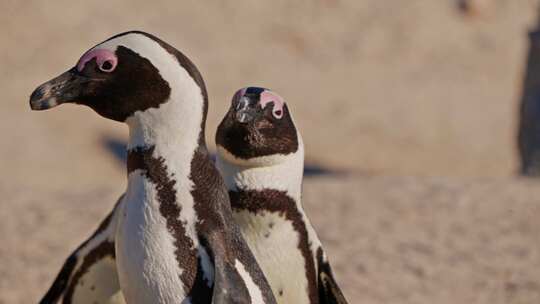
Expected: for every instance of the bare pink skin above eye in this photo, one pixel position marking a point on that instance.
(101, 55)
(269, 96)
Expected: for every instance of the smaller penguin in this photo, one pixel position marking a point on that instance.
(261, 157)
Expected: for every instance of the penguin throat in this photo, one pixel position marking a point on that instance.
(171, 124)
(260, 161)
(285, 175)
(162, 144)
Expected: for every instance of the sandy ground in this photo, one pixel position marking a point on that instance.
(415, 101)
(391, 239)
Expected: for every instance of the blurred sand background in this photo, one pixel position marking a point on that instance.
(413, 103)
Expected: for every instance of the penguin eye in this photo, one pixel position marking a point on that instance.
(278, 114)
(107, 66)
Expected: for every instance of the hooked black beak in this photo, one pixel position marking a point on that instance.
(63, 89)
(247, 109)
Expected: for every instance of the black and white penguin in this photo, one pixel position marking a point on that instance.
(261, 157)
(175, 240)
(89, 275)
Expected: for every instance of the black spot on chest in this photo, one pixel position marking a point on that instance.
(103, 250)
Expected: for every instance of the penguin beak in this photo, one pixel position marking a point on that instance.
(65, 88)
(246, 109)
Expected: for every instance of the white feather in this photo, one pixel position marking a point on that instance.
(147, 266)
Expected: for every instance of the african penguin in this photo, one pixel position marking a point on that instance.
(261, 157)
(89, 274)
(175, 239)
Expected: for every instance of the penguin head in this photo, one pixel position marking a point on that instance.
(258, 128)
(118, 77)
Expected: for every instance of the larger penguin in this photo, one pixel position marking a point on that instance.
(175, 240)
(261, 157)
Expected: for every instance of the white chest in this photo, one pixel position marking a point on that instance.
(274, 242)
(107, 290)
(147, 267)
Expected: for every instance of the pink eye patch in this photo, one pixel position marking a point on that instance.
(105, 59)
(268, 97)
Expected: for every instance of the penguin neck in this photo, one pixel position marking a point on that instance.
(161, 146)
(283, 172)
(173, 131)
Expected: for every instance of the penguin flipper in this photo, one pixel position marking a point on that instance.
(231, 278)
(89, 274)
(227, 286)
(329, 291)
(227, 281)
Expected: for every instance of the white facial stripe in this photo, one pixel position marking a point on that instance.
(255, 292)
